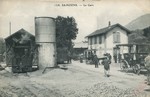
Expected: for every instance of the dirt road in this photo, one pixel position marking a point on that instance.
(74, 80)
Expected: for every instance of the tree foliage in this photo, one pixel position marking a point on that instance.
(66, 31)
(137, 37)
(2, 46)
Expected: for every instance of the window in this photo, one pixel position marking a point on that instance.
(90, 40)
(100, 39)
(116, 37)
(95, 40)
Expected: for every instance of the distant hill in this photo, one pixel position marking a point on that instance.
(139, 23)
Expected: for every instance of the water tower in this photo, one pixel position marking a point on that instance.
(45, 37)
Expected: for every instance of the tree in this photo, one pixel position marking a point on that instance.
(137, 37)
(66, 31)
(2, 46)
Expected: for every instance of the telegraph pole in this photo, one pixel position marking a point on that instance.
(9, 28)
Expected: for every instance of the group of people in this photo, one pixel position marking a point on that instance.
(106, 62)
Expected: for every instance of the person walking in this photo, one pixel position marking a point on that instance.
(106, 62)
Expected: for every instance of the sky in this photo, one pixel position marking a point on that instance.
(21, 13)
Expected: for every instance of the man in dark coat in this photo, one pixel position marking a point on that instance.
(96, 61)
(106, 62)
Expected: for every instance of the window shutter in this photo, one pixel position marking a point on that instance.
(114, 37)
(100, 39)
(118, 37)
(95, 39)
(91, 40)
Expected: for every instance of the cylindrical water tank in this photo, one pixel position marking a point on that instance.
(45, 29)
(45, 36)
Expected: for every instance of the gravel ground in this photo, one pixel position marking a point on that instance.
(74, 80)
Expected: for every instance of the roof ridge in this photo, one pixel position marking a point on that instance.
(106, 29)
(18, 31)
(109, 26)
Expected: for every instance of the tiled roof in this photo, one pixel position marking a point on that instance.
(106, 29)
(19, 31)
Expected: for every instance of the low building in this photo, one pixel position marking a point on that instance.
(105, 40)
(79, 48)
(20, 49)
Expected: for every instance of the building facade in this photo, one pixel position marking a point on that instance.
(105, 40)
(79, 48)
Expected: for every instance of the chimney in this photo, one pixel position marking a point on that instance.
(109, 24)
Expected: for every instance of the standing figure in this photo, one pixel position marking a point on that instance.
(147, 65)
(106, 62)
(69, 57)
(115, 58)
(95, 60)
(81, 58)
(91, 58)
(119, 57)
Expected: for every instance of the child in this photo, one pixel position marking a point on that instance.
(106, 62)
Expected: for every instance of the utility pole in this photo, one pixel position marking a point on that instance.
(9, 28)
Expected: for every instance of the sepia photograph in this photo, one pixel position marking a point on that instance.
(74, 48)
